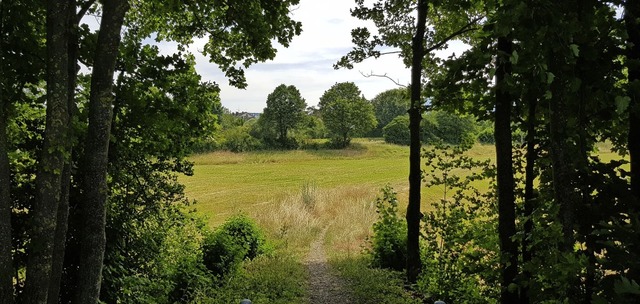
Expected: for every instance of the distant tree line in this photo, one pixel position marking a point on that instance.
(342, 114)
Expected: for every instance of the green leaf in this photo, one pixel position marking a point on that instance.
(575, 50)
(514, 57)
(622, 103)
(550, 77)
(626, 286)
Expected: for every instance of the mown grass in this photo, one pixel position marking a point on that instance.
(293, 195)
(226, 183)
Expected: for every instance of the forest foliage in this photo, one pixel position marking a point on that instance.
(96, 124)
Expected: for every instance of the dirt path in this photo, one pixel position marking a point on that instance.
(324, 287)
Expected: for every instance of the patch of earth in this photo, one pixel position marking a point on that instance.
(324, 287)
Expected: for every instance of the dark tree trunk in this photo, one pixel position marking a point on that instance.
(63, 207)
(6, 260)
(414, 264)
(562, 177)
(529, 195)
(96, 153)
(52, 158)
(632, 13)
(505, 180)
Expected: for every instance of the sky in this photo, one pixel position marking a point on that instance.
(308, 62)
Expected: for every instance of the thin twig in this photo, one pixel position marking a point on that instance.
(383, 76)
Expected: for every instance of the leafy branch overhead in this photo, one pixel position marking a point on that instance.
(239, 33)
(395, 23)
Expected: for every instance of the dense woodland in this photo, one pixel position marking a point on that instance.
(96, 124)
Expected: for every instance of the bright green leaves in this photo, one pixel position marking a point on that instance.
(345, 113)
(285, 110)
(162, 107)
(239, 32)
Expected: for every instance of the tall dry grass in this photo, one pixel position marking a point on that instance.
(297, 219)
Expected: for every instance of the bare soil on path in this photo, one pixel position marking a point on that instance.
(324, 287)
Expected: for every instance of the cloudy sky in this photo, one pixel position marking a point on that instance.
(308, 62)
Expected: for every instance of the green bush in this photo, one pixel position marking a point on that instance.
(454, 129)
(459, 243)
(486, 137)
(389, 243)
(237, 240)
(397, 131)
(238, 139)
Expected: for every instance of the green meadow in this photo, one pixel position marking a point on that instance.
(226, 183)
(294, 195)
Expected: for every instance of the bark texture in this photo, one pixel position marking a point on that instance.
(63, 205)
(52, 158)
(632, 13)
(96, 151)
(506, 184)
(414, 264)
(6, 260)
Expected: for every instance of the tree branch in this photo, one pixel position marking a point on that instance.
(461, 31)
(390, 52)
(84, 8)
(383, 76)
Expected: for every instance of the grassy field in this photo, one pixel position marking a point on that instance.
(226, 183)
(293, 195)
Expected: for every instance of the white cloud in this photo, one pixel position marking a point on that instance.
(308, 62)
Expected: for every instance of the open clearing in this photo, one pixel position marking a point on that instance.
(226, 183)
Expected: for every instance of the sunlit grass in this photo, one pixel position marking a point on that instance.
(295, 194)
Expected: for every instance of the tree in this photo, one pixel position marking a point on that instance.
(397, 131)
(285, 109)
(52, 158)
(240, 34)
(345, 113)
(389, 105)
(403, 26)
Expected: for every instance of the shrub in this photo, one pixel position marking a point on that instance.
(238, 139)
(397, 131)
(238, 239)
(460, 246)
(486, 136)
(389, 243)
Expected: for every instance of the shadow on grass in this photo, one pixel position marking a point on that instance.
(372, 285)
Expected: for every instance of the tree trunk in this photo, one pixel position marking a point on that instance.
(632, 13)
(414, 264)
(6, 260)
(52, 159)
(529, 195)
(506, 184)
(63, 207)
(96, 153)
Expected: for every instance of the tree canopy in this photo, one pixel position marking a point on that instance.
(346, 113)
(285, 110)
